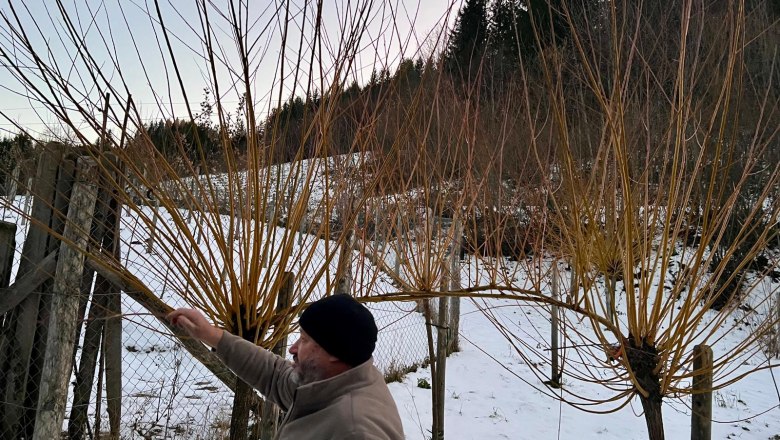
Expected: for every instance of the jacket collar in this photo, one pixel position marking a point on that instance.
(315, 396)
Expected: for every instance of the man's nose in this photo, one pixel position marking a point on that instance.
(294, 348)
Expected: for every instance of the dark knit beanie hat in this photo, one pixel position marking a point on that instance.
(342, 326)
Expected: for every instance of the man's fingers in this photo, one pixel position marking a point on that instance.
(189, 320)
(173, 316)
(185, 322)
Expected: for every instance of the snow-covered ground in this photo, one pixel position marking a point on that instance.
(492, 394)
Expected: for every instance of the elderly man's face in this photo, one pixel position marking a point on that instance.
(309, 359)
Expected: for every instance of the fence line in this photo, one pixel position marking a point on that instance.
(170, 386)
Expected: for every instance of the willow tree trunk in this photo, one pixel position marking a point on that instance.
(239, 420)
(643, 359)
(653, 418)
(270, 412)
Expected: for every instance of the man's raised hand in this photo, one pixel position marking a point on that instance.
(194, 323)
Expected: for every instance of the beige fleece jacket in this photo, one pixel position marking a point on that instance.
(354, 405)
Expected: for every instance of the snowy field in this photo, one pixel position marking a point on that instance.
(484, 400)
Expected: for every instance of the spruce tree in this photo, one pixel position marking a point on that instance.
(467, 41)
(509, 36)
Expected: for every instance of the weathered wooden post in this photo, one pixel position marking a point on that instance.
(399, 244)
(57, 362)
(103, 326)
(611, 287)
(25, 335)
(379, 242)
(270, 413)
(427, 313)
(153, 229)
(454, 324)
(7, 248)
(555, 375)
(701, 408)
(27, 200)
(194, 192)
(442, 331)
(243, 400)
(11, 186)
(11, 183)
(777, 325)
(112, 330)
(441, 367)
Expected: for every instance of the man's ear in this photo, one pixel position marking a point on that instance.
(332, 359)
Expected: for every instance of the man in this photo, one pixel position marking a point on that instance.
(331, 390)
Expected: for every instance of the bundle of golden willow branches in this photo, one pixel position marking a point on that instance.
(219, 239)
(288, 193)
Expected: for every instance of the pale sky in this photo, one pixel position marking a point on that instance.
(120, 32)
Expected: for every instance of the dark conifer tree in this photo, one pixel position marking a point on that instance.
(509, 36)
(468, 40)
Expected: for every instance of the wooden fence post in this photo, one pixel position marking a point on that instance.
(12, 186)
(398, 244)
(454, 321)
(242, 404)
(194, 193)
(64, 307)
(442, 333)
(7, 248)
(27, 200)
(777, 325)
(25, 336)
(85, 373)
(701, 408)
(555, 374)
(112, 330)
(103, 326)
(270, 413)
(441, 366)
(426, 304)
(379, 241)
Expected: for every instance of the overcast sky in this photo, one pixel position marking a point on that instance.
(119, 33)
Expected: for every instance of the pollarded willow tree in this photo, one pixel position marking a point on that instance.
(663, 194)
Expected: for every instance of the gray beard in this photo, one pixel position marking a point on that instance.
(306, 372)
